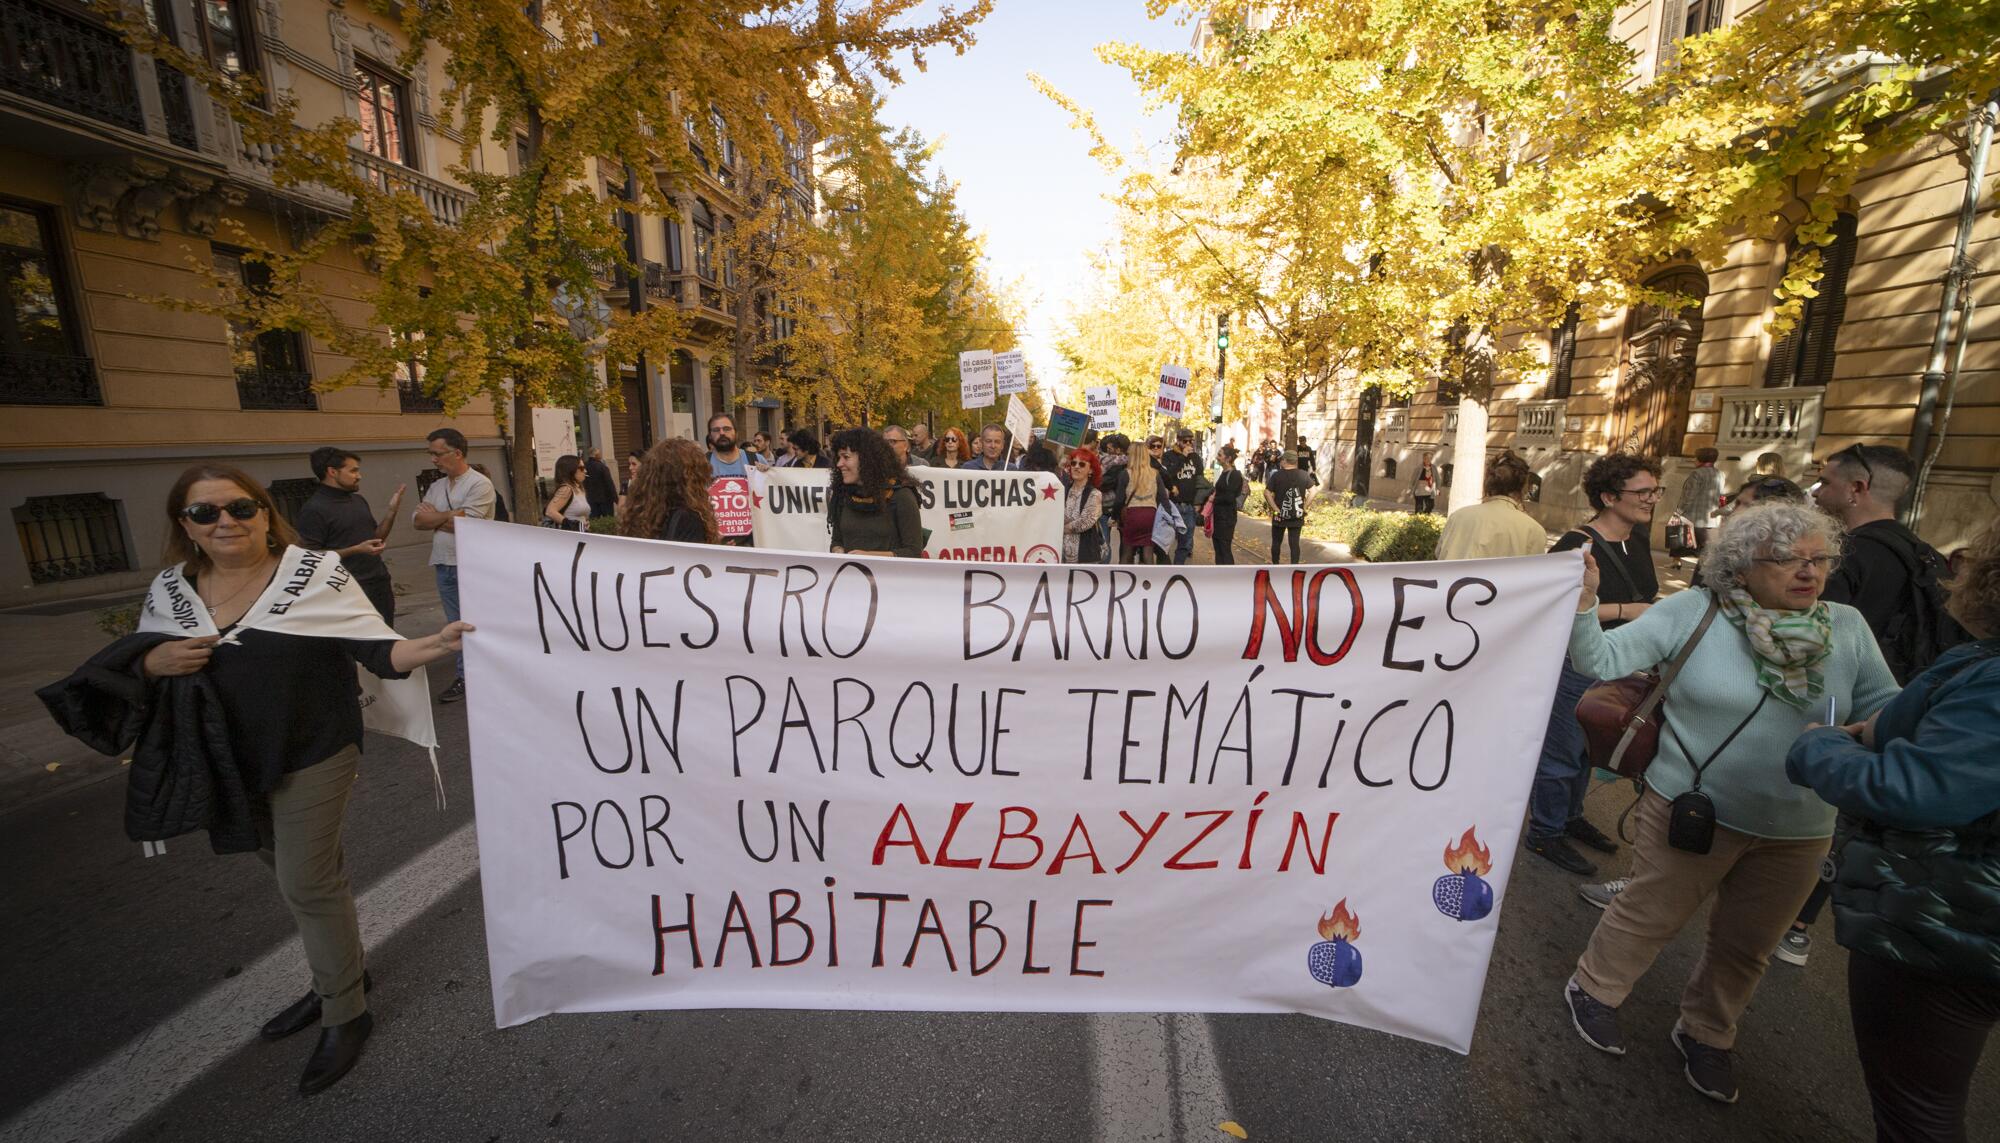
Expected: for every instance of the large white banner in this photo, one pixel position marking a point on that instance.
(984, 517)
(714, 777)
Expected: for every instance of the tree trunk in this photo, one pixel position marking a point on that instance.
(1468, 452)
(524, 502)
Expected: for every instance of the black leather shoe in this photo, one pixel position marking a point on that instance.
(338, 1050)
(1581, 830)
(303, 1013)
(454, 692)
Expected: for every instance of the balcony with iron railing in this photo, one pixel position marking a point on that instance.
(47, 379)
(275, 389)
(63, 60)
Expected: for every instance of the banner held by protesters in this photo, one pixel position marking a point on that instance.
(985, 517)
(775, 779)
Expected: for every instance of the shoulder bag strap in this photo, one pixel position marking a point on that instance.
(1598, 544)
(1667, 676)
(1703, 767)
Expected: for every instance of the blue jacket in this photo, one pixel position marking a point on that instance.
(1917, 854)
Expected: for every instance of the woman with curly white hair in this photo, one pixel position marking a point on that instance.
(1718, 817)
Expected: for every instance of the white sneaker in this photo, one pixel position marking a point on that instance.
(1795, 947)
(1601, 894)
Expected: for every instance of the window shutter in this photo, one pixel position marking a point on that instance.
(1830, 308)
(1562, 355)
(1672, 13)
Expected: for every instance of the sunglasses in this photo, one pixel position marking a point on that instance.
(205, 513)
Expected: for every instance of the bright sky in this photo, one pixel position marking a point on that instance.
(1025, 178)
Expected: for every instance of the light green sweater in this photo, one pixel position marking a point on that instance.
(1716, 690)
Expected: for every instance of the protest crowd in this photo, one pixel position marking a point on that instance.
(1832, 686)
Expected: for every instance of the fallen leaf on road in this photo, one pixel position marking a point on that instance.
(53, 767)
(1231, 1127)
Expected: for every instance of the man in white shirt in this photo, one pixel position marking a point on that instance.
(460, 492)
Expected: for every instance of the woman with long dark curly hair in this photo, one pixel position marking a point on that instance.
(669, 496)
(871, 508)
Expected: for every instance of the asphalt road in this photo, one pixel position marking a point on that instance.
(135, 986)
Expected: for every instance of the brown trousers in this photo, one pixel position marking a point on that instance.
(300, 826)
(1758, 885)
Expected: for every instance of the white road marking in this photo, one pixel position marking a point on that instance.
(147, 1072)
(1154, 1078)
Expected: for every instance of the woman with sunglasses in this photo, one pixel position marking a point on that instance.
(1083, 506)
(281, 664)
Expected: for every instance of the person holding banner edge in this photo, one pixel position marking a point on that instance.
(227, 543)
(1083, 508)
(872, 505)
(1717, 816)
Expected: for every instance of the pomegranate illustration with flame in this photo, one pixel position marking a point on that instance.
(1463, 894)
(1333, 960)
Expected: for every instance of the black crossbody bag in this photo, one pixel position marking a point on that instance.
(1691, 816)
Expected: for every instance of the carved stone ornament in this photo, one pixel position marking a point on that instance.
(97, 189)
(139, 211)
(203, 201)
(381, 44)
(343, 43)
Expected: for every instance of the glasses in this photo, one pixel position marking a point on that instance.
(1792, 565)
(1653, 493)
(204, 513)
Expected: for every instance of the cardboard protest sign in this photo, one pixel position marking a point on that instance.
(718, 778)
(1172, 399)
(1067, 426)
(1010, 370)
(975, 379)
(1020, 423)
(997, 517)
(730, 497)
(1102, 404)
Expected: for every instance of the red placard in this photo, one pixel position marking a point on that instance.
(731, 497)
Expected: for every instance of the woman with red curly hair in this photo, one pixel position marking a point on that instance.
(1083, 504)
(668, 499)
(952, 449)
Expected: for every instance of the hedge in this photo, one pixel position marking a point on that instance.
(1372, 535)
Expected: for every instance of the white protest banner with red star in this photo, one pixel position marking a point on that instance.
(725, 777)
(985, 517)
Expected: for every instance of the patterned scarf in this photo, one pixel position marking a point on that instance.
(1789, 646)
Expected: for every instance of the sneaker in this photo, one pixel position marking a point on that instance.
(454, 692)
(1601, 893)
(1795, 947)
(1560, 851)
(1595, 1021)
(1590, 835)
(1709, 1070)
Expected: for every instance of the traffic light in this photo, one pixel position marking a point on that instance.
(1222, 331)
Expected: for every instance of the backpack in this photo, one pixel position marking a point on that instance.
(1922, 629)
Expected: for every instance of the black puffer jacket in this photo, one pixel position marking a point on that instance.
(184, 776)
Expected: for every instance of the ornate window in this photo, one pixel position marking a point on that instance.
(385, 120)
(1805, 355)
(1657, 367)
(224, 27)
(704, 241)
(71, 537)
(41, 361)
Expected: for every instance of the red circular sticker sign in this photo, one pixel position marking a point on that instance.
(731, 497)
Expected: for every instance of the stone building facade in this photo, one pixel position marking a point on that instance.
(1667, 384)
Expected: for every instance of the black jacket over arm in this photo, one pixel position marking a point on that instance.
(184, 776)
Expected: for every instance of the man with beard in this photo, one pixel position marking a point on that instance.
(726, 459)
